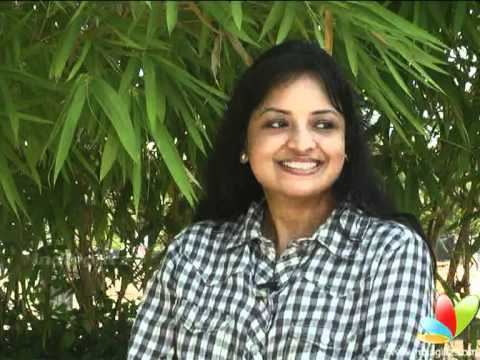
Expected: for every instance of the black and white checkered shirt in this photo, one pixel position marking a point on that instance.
(356, 289)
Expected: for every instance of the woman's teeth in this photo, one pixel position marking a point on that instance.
(300, 165)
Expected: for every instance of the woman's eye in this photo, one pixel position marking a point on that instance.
(277, 123)
(324, 124)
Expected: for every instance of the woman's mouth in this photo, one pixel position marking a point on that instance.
(304, 167)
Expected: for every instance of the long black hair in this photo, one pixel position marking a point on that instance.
(230, 186)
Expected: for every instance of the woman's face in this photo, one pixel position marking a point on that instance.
(296, 141)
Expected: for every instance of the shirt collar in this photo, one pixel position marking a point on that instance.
(341, 233)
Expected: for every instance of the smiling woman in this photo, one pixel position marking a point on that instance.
(297, 251)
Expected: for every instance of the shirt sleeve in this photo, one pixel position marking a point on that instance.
(152, 335)
(401, 295)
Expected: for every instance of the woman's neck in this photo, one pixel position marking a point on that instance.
(289, 219)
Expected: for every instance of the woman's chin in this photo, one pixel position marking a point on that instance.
(299, 194)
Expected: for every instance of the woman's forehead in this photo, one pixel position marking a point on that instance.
(304, 92)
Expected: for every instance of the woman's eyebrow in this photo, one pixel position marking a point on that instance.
(286, 112)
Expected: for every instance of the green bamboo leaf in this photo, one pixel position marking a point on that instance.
(319, 36)
(427, 78)
(150, 91)
(196, 85)
(373, 86)
(460, 124)
(393, 70)
(371, 74)
(403, 25)
(33, 118)
(287, 21)
(408, 56)
(136, 169)
(137, 16)
(137, 184)
(392, 116)
(87, 164)
(400, 106)
(408, 69)
(65, 48)
(125, 41)
(182, 105)
(221, 12)
(109, 155)
(237, 13)
(131, 71)
(161, 103)
(424, 58)
(191, 126)
(273, 17)
(8, 185)
(116, 110)
(32, 80)
(173, 161)
(81, 59)
(72, 114)
(137, 9)
(32, 155)
(10, 109)
(350, 46)
(171, 9)
(153, 20)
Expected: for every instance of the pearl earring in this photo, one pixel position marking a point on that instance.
(243, 158)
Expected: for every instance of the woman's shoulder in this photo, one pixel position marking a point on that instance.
(202, 249)
(206, 230)
(389, 234)
(204, 236)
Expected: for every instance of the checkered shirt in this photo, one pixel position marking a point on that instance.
(356, 289)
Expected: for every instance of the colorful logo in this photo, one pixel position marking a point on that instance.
(449, 322)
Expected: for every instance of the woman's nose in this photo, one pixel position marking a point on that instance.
(301, 140)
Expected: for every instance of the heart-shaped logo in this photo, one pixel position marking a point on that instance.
(449, 322)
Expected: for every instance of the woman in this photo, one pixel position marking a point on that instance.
(296, 252)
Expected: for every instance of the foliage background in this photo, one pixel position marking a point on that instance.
(107, 115)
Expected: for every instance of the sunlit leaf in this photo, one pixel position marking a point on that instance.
(171, 8)
(274, 16)
(287, 21)
(150, 91)
(65, 48)
(72, 114)
(116, 111)
(173, 161)
(237, 13)
(137, 184)
(403, 24)
(394, 71)
(108, 156)
(351, 47)
(81, 59)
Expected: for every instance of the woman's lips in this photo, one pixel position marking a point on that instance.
(300, 167)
